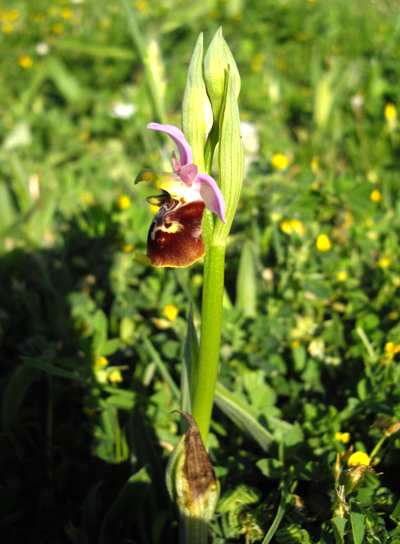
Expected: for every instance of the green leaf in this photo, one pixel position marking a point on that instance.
(65, 81)
(271, 468)
(162, 368)
(53, 370)
(240, 413)
(287, 433)
(339, 525)
(246, 285)
(357, 526)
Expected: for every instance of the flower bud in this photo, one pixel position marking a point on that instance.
(196, 108)
(191, 480)
(353, 476)
(393, 429)
(217, 61)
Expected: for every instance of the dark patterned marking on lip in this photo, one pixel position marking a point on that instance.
(174, 238)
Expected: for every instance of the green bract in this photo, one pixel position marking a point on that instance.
(230, 159)
(192, 484)
(196, 107)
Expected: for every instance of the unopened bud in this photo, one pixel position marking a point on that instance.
(395, 428)
(197, 116)
(217, 61)
(190, 477)
(353, 476)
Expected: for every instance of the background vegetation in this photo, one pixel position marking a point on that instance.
(91, 335)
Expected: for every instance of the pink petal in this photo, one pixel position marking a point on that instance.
(188, 173)
(211, 194)
(185, 151)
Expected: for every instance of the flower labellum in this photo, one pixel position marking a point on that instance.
(174, 238)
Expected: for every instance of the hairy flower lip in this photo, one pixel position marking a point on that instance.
(204, 187)
(174, 238)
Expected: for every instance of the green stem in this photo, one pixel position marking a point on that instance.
(377, 447)
(205, 371)
(193, 531)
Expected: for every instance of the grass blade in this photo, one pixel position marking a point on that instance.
(241, 415)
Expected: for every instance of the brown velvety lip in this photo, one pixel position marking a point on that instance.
(174, 238)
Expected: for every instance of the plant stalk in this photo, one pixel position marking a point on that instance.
(205, 371)
(193, 531)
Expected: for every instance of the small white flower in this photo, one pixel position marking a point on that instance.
(316, 348)
(357, 102)
(123, 110)
(42, 48)
(34, 186)
(250, 137)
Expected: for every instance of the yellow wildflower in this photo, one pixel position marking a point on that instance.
(295, 343)
(375, 196)
(390, 112)
(323, 243)
(7, 28)
(66, 14)
(292, 226)
(124, 202)
(343, 437)
(359, 458)
(128, 248)
(58, 28)
(286, 227)
(391, 349)
(87, 198)
(25, 61)
(101, 362)
(10, 16)
(142, 6)
(384, 262)
(342, 275)
(154, 208)
(170, 311)
(280, 161)
(314, 165)
(115, 376)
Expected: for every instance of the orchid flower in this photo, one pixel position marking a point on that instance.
(175, 235)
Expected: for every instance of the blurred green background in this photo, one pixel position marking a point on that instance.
(91, 335)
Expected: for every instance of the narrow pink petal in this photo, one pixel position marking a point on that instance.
(185, 151)
(188, 173)
(211, 194)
